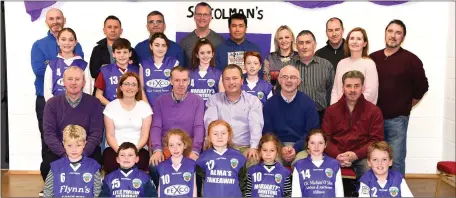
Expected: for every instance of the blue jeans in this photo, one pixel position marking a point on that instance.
(396, 136)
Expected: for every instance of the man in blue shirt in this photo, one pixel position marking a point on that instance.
(232, 50)
(156, 23)
(43, 51)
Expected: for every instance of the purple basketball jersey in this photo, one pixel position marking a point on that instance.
(317, 181)
(74, 181)
(221, 172)
(130, 184)
(111, 76)
(268, 182)
(58, 67)
(207, 85)
(176, 183)
(391, 189)
(261, 90)
(156, 81)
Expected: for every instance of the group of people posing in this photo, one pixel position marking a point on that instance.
(211, 117)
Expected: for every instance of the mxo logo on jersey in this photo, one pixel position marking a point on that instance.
(158, 83)
(176, 190)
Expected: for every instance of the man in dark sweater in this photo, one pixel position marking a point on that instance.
(352, 124)
(290, 115)
(402, 84)
(76, 108)
(334, 50)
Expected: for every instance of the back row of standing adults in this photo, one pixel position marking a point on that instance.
(401, 77)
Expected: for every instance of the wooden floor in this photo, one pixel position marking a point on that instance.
(31, 185)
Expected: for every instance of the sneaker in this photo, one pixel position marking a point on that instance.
(41, 194)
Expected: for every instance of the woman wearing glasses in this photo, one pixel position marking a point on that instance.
(127, 119)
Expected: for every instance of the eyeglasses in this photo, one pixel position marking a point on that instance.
(155, 22)
(130, 84)
(202, 15)
(285, 77)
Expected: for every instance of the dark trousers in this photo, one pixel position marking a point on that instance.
(39, 108)
(110, 162)
(49, 157)
(321, 114)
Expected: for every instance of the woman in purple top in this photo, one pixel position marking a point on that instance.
(205, 79)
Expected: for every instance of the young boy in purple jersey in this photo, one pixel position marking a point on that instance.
(177, 174)
(128, 180)
(53, 76)
(252, 83)
(269, 178)
(74, 175)
(220, 164)
(381, 181)
(155, 71)
(109, 77)
(318, 175)
(205, 79)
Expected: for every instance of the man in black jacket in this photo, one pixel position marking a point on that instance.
(102, 53)
(334, 50)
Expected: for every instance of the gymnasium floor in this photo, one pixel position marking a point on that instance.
(31, 185)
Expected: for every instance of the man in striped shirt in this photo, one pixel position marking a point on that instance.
(317, 74)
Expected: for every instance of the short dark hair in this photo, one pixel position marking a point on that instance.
(399, 23)
(121, 43)
(239, 16)
(204, 4)
(178, 68)
(304, 32)
(127, 145)
(156, 12)
(158, 35)
(232, 66)
(112, 17)
(332, 19)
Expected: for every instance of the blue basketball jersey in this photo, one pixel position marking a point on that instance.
(206, 85)
(111, 76)
(391, 189)
(58, 67)
(261, 90)
(74, 181)
(317, 181)
(130, 184)
(221, 171)
(176, 182)
(268, 182)
(156, 80)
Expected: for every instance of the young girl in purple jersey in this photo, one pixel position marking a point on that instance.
(252, 83)
(317, 175)
(381, 181)
(205, 78)
(222, 166)
(53, 76)
(269, 173)
(177, 174)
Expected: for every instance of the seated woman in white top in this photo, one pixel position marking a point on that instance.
(127, 119)
(356, 48)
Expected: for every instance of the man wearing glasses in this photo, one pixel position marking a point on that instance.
(290, 115)
(156, 23)
(202, 18)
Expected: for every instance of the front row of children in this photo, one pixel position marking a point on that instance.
(221, 166)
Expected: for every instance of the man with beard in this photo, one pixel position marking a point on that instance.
(352, 124)
(334, 50)
(102, 53)
(402, 84)
(202, 18)
(43, 51)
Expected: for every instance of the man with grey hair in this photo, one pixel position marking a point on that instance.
(76, 108)
(352, 124)
(317, 73)
(290, 115)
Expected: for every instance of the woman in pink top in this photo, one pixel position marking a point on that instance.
(356, 48)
